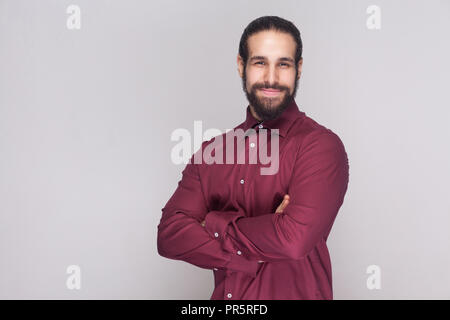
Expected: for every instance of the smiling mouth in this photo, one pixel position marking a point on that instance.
(270, 92)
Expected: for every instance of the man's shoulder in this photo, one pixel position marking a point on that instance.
(303, 129)
(305, 126)
(308, 130)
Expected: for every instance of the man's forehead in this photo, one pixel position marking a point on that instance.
(271, 44)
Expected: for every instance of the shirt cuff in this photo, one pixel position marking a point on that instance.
(216, 222)
(239, 263)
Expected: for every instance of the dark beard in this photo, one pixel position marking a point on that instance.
(263, 107)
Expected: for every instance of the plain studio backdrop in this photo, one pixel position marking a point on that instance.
(86, 117)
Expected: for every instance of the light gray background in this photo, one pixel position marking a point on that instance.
(86, 117)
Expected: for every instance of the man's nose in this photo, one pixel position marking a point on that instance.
(271, 75)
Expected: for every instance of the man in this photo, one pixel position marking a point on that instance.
(263, 235)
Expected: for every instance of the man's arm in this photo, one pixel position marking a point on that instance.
(317, 189)
(182, 237)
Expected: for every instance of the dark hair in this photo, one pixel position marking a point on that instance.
(270, 23)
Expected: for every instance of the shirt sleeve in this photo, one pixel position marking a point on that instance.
(317, 188)
(181, 236)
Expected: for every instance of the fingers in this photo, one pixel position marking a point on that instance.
(283, 204)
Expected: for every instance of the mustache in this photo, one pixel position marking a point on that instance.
(266, 86)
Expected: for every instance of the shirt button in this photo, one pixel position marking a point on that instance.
(242, 181)
(252, 145)
(216, 234)
(239, 252)
(229, 295)
(260, 126)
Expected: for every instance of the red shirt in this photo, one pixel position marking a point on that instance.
(255, 253)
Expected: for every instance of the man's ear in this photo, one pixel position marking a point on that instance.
(299, 68)
(240, 64)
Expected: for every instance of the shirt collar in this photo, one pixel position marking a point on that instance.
(283, 122)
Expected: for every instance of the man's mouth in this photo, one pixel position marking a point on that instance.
(270, 92)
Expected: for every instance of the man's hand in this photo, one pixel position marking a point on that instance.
(280, 208)
(283, 204)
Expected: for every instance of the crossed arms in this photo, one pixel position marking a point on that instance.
(230, 240)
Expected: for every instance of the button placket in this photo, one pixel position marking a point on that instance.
(250, 149)
(228, 292)
(240, 177)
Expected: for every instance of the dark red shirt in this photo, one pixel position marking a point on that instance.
(254, 252)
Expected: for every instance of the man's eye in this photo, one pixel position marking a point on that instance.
(281, 64)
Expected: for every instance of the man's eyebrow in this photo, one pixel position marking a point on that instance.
(264, 58)
(257, 58)
(286, 59)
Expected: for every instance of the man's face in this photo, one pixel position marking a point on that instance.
(270, 76)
